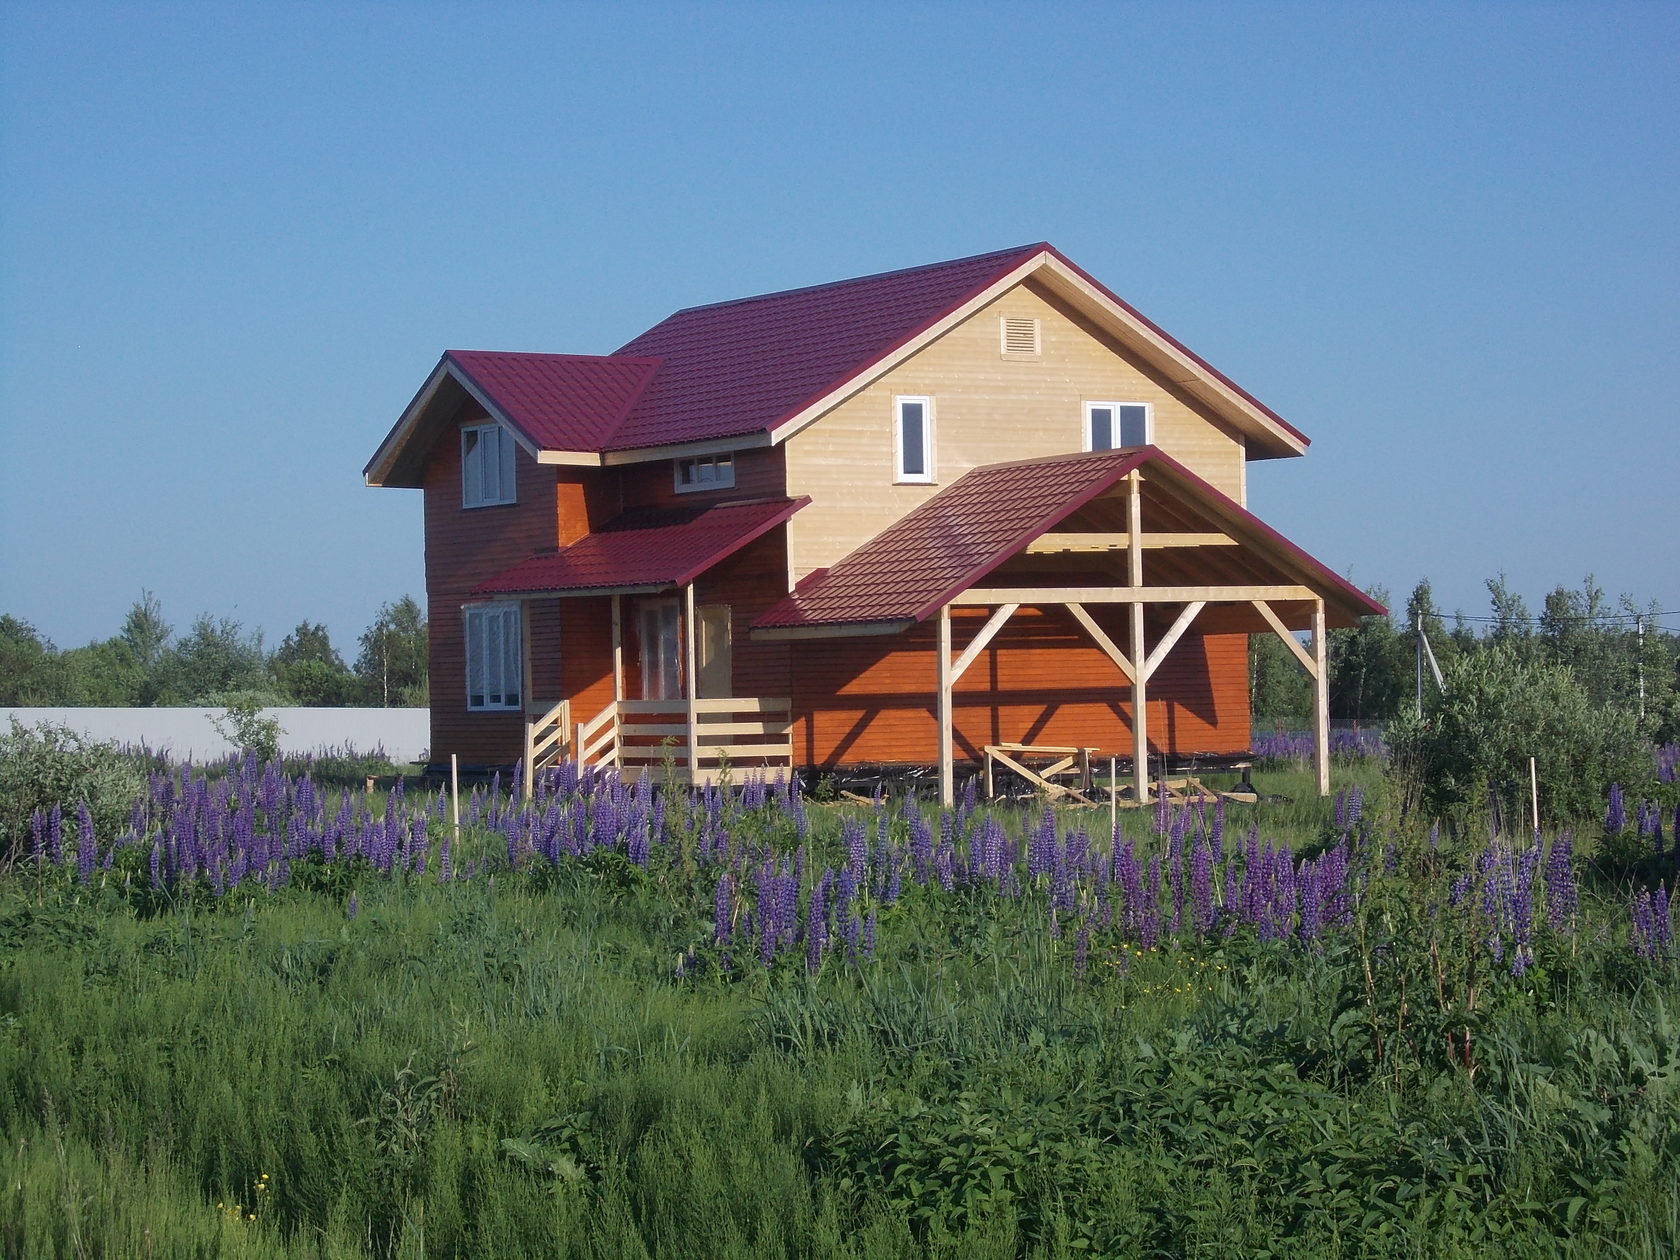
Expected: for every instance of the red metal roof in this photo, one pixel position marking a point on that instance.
(562, 402)
(948, 544)
(644, 548)
(742, 367)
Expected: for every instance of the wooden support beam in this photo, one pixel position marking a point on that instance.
(1109, 647)
(947, 776)
(978, 644)
(691, 679)
(1288, 636)
(1172, 636)
(1134, 537)
(1140, 712)
(1051, 596)
(1321, 698)
(618, 648)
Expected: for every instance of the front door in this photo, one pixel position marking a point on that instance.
(659, 630)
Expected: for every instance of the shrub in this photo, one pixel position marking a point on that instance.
(1498, 711)
(244, 724)
(49, 765)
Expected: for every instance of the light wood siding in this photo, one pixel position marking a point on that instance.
(869, 700)
(988, 408)
(463, 547)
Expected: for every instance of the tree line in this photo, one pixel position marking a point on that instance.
(216, 660)
(1621, 654)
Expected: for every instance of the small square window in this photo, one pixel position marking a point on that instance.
(913, 439)
(488, 476)
(705, 472)
(1110, 425)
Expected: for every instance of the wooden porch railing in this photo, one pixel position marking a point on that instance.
(548, 730)
(647, 737)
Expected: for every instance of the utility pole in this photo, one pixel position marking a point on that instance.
(1639, 623)
(1417, 642)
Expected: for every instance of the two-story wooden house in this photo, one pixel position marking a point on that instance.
(887, 520)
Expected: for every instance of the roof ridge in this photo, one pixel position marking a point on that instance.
(1016, 251)
(614, 357)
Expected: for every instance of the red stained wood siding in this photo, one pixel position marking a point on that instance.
(759, 474)
(463, 547)
(1041, 681)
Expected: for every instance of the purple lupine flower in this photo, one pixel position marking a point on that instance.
(55, 836)
(1660, 920)
(816, 925)
(1216, 838)
(1615, 815)
(1643, 914)
(85, 847)
(1201, 888)
(37, 834)
(1562, 897)
(352, 908)
(869, 935)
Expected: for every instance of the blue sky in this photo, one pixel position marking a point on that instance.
(234, 239)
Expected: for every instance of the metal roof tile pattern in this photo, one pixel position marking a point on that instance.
(562, 402)
(644, 548)
(949, 543)
(741, 367)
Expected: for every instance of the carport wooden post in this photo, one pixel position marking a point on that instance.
(947, 784)
(691, 681)
(1140, 689)
(1321, 698)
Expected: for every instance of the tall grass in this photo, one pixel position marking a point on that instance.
(556, 1057)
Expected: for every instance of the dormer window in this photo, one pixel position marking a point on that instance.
(913, 439)
(487, 474)
(1110, 425)
(705, 472)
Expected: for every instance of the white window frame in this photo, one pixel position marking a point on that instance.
(1114, 409)
(900, 475)
(494, 652)
(703, 472)
(486, 481)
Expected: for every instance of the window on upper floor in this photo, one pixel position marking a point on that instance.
(487, 473)
(705, 472)
(1110, 425)
(913, 439)
(495, 667)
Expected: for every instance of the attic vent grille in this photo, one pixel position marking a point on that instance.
(1020, 335)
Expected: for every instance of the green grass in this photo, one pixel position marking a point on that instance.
(509, 1066)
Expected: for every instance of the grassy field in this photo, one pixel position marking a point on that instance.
(273, 1021)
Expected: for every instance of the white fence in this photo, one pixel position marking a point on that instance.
(189, 734)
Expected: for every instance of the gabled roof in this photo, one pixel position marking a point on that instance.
(644, 549)
(749, 365)
(954, 540)
(755, 370)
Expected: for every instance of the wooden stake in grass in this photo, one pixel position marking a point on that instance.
(1534, 794)
(455, 794)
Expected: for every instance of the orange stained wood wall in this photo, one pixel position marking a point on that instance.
(1041, 681)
